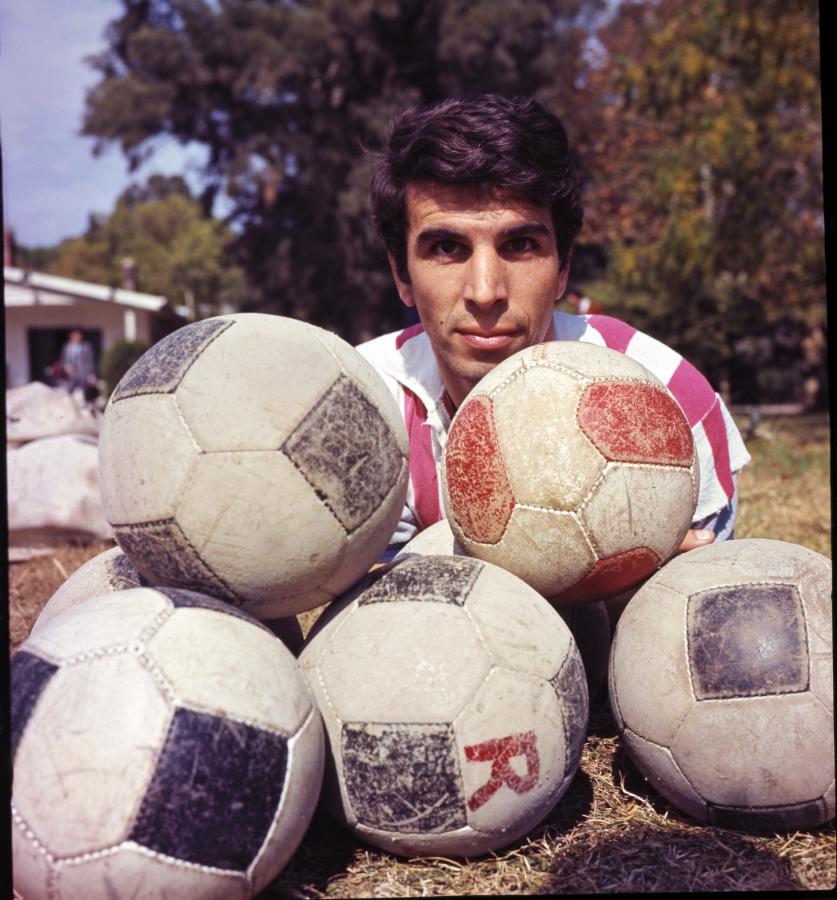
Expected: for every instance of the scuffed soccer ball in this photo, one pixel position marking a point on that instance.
(721, 684)
(572, 466)
(455, 705)
(255, 458)
(163, 744)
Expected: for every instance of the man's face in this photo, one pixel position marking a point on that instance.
(484, 277)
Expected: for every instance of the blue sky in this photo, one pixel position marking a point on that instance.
(51, 180)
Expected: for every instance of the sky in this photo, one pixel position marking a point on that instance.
(51, 180)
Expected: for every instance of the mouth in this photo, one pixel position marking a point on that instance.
(487, 339)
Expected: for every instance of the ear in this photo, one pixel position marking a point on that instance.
(563, 278)
(405, 289)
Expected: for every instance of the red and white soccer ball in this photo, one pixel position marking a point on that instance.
(573, 467)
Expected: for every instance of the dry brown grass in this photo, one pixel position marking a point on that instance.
(611, 833)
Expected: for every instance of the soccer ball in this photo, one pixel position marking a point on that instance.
(111, 571)
(455, 706)
(253, 458)
(163, 744)
(721, 684)
(589, 623)
(572, 466)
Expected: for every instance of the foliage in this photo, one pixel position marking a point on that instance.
(117, 359)
(706, 183)
(179, 251)
(284, 96)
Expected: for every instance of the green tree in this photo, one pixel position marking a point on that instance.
(284, 96)
(177, 249)
(706, 184)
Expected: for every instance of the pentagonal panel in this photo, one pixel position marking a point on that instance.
(425, 580)
(428, 661)
(650, 679)
(108, 717)
(549, 461)
(547, 549)
(259, 525)
(121, 871)
(145, 456)
(757, 751)
(513, 753)
(639, 506)
(589, 361)
(112, 622)
(522, 631)
(612, 575)
(30, 676)
(248, 389)
(476, 490)
(218, 662)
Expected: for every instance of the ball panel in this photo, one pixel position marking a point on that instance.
(167, 556)
(660, 770)
(347, 453)
(160, 369)
(815, 592)
(425, 580)
(513, 753)
(148, 875)
(736, 752)
(135, 437)
(573, 463)
(437, 540)
(653, 506)
(110, 716)
(570, 685)
(635, 423)
(202, 680)
(477, 494)
(403, 777)
(612, 575)
(822, 680)
(520, 629)
(793, 817)
(650, 679)
(185, 599)
(431, 653)
(263, 487)
(244, 392)
(747, 640)
(29, 677)
(532, 536)
(588, 361)
(214, 793)
(459, 842)
(306, 755)
(31, 868)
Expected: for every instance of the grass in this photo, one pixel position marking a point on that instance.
(611, 833)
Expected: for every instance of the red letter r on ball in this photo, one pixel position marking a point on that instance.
(500, 751)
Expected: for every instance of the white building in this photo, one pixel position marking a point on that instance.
(41, 310)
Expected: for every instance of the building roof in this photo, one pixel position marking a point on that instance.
(25, 288)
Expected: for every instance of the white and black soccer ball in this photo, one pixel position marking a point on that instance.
(254, 458)
(163, 744)
(112, 571)
(455, 706)
(721, 684)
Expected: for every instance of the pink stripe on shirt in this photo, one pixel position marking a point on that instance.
(617, 335)
(408, 333)
(716, 434)
(692, 391)
(422, 465)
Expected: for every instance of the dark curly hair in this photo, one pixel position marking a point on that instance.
(483, 140)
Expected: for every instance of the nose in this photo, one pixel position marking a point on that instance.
(486, 281)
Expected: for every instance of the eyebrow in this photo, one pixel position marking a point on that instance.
(447, 234)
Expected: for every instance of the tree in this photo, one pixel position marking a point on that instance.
(178, 250)
(706, 184)
(285, 95)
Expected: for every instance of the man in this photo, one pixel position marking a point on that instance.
(478, 203)
(78, 366)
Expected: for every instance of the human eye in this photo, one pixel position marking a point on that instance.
(521, 244)
(446, 248)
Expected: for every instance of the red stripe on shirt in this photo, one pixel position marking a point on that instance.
(716, 433)
(616, 334)
(692, 391)
(408, 333)
(421, 462)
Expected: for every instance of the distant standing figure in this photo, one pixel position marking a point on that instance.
(79, 367)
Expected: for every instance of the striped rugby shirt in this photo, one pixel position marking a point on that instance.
(407, 364)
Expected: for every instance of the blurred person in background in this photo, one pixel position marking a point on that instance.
(78, 369)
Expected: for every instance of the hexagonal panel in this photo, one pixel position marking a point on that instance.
(589, 361)
(639, 506)
(428, 661)
(520, 628)
(549, 461)
(109, 718)
(757, 751)
(145, 456)
(30, 863)
(219, 662)
(249, 389)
